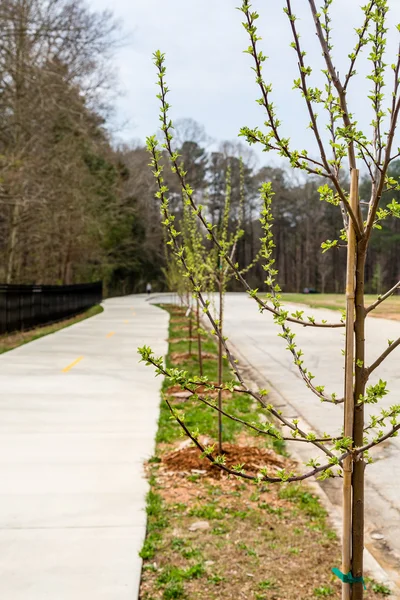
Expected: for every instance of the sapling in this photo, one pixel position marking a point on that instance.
(341, 147)
(212, 272)
(196, 257)
(220, 272)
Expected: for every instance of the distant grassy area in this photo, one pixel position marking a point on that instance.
(18, 338)
(389, 309)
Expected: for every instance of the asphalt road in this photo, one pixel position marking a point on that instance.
(255, 335)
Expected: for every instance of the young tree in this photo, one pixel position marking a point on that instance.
(345, 148)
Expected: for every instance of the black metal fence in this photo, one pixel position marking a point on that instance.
(26, 306)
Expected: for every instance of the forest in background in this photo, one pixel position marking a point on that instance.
(75, 207)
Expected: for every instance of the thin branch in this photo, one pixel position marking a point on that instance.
(384, 355)
(395, 157)
(356, 219)
(283, 143)
(389, 434)
(304, 86)
(252, 135)
(359, 45)
(377, 194)
(368, 165)
(383, 298)
(335, 78)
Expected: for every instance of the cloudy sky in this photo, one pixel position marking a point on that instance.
(211, 79)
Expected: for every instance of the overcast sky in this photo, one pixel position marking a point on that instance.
(209, 76)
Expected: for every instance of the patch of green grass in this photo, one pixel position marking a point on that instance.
(273, 510)
(267, 584)
(247, 550)
(185, 549)
(304, 500)
(156, 522)
(19, 338)
(208, 511)
(174, 589)
(324, 590)
(220, 530)
(216, 579)
(240, 514)
(172, 579)
(381, 588)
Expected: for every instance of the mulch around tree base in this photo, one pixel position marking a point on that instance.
(182, 357)
(253, 459)
(176, 391)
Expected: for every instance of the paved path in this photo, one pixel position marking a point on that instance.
(78, 416)
(256, 336)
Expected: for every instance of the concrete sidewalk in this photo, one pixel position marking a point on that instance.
(78, 417)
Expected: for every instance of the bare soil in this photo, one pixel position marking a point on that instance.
(227, 540)
(252, 458)
(179, 358)
(201, 389)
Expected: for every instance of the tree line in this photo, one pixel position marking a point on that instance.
(75, 207)
(304, 227)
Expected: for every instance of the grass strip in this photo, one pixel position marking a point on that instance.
(19, 338)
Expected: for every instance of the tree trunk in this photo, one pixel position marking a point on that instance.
(190, 325)
(358, 428)
(13, 242)
(220, 360)
(199, 340)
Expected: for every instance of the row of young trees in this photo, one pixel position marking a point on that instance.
(363, 223)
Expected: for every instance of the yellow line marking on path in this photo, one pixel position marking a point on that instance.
(78, 360)
(110, 334)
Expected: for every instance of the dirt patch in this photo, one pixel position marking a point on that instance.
(182, 327)
(204, 391)
(225, 540)
(252, 458)
(176, 390)
(185, 339)
(176, 310)
(181, 357)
